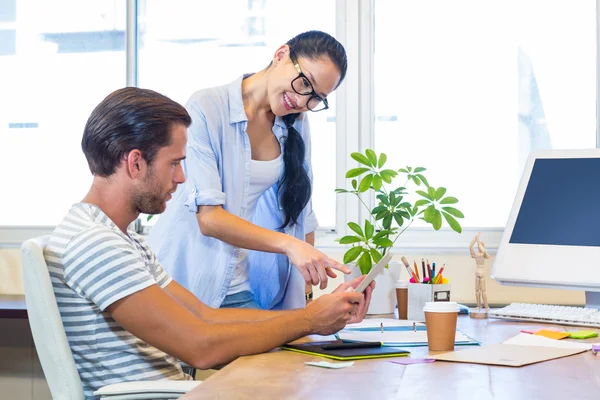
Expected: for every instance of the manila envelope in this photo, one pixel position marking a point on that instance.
(506, 354)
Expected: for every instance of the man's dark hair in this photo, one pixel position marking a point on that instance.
(128, 119)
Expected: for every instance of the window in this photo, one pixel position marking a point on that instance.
(190, 45)
(468, 88)
(68, 55)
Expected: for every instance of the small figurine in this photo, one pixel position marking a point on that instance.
(480, 256)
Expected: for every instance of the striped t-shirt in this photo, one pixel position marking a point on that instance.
(92, 265)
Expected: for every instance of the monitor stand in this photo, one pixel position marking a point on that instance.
(592, 300)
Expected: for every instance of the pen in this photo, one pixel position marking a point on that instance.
(352, 345)
(417, 273)
(423, 265)
(433, 271)
(429, 270)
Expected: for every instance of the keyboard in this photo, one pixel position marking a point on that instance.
(560, 315)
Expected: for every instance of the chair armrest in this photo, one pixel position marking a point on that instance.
(164, 389)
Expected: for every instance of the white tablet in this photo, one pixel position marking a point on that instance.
(374, 272)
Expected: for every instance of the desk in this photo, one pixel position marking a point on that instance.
(283, 375)
(12, 306)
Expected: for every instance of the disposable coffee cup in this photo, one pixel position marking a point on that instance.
(440, 321)
(402, 299)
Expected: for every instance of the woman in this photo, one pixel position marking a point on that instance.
(249, 184)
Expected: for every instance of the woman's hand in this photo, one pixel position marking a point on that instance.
(314, 266)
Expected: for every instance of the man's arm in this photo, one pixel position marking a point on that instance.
(209, 314)
(169, 326)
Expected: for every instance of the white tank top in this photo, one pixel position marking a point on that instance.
(263, 175)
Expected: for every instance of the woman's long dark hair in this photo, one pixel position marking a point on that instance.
(295, 189)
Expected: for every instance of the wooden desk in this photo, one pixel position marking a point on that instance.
(12, 307)
(283, 375)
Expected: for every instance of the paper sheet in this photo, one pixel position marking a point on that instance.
(523, 339)
(393, 338)
(327, 364)
(387, 322)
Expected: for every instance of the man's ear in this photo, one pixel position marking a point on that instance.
(136, 165)
(281, 54)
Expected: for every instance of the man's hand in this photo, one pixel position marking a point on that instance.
(314, 266)
(364, 306)
(330, 313)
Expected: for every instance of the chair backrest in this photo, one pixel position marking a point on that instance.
(46, 325)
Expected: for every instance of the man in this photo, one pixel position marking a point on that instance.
(125, 318)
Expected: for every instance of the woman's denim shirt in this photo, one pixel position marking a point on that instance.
(217, 170)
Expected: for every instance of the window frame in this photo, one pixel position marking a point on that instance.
(355, 131)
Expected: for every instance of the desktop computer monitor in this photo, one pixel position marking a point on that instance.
(552, 237)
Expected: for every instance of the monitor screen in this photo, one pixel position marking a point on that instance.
(552, 236)
(561, 205)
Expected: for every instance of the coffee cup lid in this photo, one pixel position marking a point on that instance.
(440, 306)
(401, 284)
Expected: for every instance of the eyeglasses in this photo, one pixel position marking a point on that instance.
(303, 87)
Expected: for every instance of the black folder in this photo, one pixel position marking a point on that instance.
(339, 350)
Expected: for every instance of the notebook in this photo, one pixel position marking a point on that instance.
(316, 348)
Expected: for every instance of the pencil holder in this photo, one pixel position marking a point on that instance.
(421, 293)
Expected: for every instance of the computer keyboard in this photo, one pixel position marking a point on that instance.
(561, 315)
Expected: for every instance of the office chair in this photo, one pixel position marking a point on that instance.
(53, 348)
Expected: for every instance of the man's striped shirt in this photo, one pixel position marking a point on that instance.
(93, 264)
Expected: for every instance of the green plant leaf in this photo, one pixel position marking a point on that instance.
(422, 178)
(449, 200)
(403, 170)
(351, 254)
(382, 214)
(341, 191)
(387, 175)
(382, 160)
(452, 222)
(364, 262)
(356, 228)
(369, 229)
(421, 202)
(383, 198)
(350, 239)
(404, 213)
(424, 194)
(354, 183)
(437, 220)
(420, 169)
(382, 233)
(365, 183)
(456, 213)
(398, 218)
(383, 242)
(416, 180)
(428, 214)
(387, 221)
(431, 193)
(375, 255)
(361, 159)
(439, 193)
(378, 209)
(396, 201)
(356, 172)
(377, 182)
(371, 156)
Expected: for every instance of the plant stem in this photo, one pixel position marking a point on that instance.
(369, 211)
(397, 236)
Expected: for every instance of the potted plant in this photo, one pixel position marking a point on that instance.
(397, 208)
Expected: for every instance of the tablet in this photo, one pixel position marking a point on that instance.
(374, 272)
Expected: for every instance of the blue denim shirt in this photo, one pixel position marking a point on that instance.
(217, 171)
